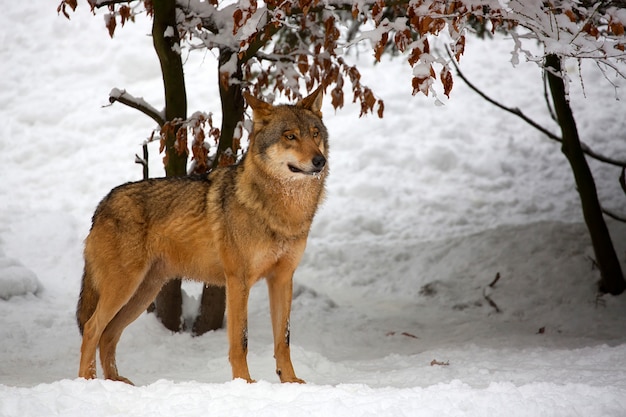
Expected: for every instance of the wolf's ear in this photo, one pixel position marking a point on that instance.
(313, 102)
(260, 109)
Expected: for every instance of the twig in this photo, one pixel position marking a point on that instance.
(407, 334)
(488, 298)
(587, 150)
(622, 183)
(511, 110)
(546, 97)
(613, 215)
(594, 263)
(491, 302)
(496, 279)
(517, 112)
(143, 161)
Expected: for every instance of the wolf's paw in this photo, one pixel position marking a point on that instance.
(121, 379)
(292, 378)
(88, 372)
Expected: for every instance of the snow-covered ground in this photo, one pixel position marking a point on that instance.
(391, 312)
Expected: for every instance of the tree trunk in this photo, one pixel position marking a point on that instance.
(232, 107)
(212, 307)
(612, 279)
(173, 83)
(169, 300)
(213, 304)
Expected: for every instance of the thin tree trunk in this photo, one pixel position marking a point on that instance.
(169, 300)
(173, 83)
(212, 307)
(213, 303)
(612, 279)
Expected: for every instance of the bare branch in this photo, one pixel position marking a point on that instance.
(546, 96)
(614, 215)
(495, 280)
(589, 152)
(144, 161)
(487, 296)
(511, 110)
(517, 112)
(137, 103)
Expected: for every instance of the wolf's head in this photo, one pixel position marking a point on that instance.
(289, 141)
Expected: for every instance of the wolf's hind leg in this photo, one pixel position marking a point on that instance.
(112, 299)
(143, 296)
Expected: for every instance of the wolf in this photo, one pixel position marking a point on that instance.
(232, 227)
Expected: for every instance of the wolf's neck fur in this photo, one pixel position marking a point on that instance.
(286, 206)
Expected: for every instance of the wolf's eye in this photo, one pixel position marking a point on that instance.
(290, 136)
(316, 133)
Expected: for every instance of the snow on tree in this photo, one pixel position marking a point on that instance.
(281, 46)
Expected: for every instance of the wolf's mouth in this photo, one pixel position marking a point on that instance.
(297, 170)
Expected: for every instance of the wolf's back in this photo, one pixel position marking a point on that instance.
(153, 199)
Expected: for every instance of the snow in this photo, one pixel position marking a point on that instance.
(390, 312)
(15, 278)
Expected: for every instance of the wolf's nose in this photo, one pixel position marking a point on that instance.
(319, 161)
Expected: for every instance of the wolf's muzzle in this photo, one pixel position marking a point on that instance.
(319, 162)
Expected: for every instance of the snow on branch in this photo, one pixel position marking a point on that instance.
(517, 112)
(137, 103)
(569, 30)
(280, 45)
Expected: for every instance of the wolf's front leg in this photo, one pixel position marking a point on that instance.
(237, 326)
(280, 292)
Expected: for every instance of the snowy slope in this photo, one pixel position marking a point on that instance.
(392, 312)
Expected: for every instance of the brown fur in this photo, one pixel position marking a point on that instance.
(233, 227)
